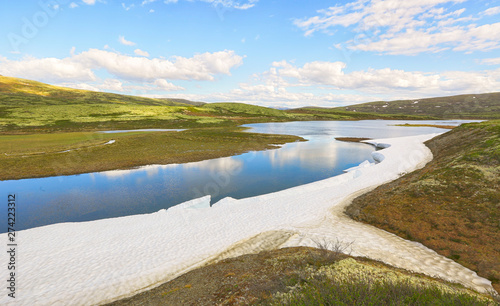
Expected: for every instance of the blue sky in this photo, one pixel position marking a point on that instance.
(283, 53)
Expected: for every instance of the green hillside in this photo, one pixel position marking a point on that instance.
(21, 92)
(33, 107)
(246, 110)
(30, 106)
(473, 106)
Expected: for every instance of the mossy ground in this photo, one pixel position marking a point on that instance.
(452, 205)
(304, 276)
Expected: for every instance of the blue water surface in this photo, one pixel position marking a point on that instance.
(109, 194)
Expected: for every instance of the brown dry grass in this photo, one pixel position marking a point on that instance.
(452, 205)
(276, 277)
(351, 139)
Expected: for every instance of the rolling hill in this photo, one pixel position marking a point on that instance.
(473, 106)
(28, 106)
(20, 92)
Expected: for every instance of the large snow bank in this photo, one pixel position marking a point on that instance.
(100, 261)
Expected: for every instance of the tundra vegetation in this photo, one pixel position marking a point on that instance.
(472, 106)
(305, 276)
(452, 205)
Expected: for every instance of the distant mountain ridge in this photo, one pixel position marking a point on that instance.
(486, 106)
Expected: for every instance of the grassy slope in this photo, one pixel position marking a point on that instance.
(304, 276)
(477, 106)
(28, 106)
(22, 92)
(452, 205)
(245, 110)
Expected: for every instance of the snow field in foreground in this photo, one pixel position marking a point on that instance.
(100, 261)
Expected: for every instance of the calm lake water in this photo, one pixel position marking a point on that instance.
(148, 189)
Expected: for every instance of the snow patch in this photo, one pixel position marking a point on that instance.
(107, 143)
(203, 202)
(378, 145)
(364, 164)
(378, 157)
(227, 201)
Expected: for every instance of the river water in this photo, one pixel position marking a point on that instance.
(109, 194)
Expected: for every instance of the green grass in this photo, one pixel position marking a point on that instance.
(246, 110)
(356, 281)
(22, 92)
(38, 155)
(28, 106)
(15, 145)
(51, 114)
(368, 291)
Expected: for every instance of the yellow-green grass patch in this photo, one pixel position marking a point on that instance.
(49, 143)
(89, 154)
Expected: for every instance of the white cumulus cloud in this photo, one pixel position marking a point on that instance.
(47, 69)
(81, 69)
(492, 11)
(125, 42)
(491, 61)
(127, 8)
(239, 5)
(327, 84)
(406, 27)
(199, 67)
(141, 52)
(164, 85)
